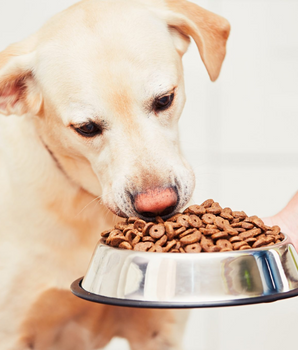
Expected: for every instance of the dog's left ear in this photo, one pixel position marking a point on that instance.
(19, 93)
(209, 31)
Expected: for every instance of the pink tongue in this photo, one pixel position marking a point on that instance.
(155, 201)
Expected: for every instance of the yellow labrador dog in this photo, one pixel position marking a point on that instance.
(93, 101)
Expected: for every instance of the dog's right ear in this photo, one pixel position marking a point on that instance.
(19, 93)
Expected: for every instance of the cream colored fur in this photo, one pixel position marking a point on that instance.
(103, 61)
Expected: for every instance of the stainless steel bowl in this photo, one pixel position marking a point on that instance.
(170, 280)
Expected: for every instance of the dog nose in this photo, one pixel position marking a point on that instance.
(160, 201)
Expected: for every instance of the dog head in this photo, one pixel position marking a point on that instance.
(103, 81)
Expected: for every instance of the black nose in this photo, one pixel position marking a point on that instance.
(159, 201)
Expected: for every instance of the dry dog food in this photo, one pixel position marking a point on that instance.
(200, 228)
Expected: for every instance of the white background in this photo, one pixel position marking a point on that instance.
(239, 134)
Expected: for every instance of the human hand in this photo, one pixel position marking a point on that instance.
(287, 220)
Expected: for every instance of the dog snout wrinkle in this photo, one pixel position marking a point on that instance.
(159, 201)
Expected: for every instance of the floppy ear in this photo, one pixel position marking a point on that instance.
(209, 31)
(19, 93)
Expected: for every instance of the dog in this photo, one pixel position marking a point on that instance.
(92, 103)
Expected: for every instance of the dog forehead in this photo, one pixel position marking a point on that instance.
(113, 56)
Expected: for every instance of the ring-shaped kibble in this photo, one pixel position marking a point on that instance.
(183, 220)
(208, 218)
(197, 209)
(157, 231)
(224, 243)
(193, 248)
(139, 225)
(132, 219)
(116, 240)
(147, 228)
(194, 221)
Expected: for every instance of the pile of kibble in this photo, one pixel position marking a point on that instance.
(200, 228)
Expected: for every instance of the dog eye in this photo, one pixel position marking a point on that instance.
(164, 102)
(89, 130)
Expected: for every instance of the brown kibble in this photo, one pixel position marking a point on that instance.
(239, 215)
(235, 239)
(121, 225)
(146, 228)
(244, 247)
(139, 225)
(197, 209)
(169, 245)
(227, 214)
(238, 245)
(127, 228)
(156, 231)
(194, 221)
(224, 243)
(240, 229)
(250, 240)
(190, 239)
(159, 220)
(173, 250)
(187, 232)
(180, 230)
(275, 230)
(169, 230)
(208, 218)
(193, 248)
(214, 209)
(174, 217)
(183, 220)
(231, 231)
(143, 246)
(226, 250)
(162, 241)
(247, 225)
(208, 231)
(220, 222)
(148, 239)
(116, 240)
(156, 248)
(201, 228)
(220, 235)
(125, 245)
(207, 203)
(136, 240)
(131, 234)
(238, 224)
(250, 233)
(132, 219)
(259, 243)
(105, 234)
